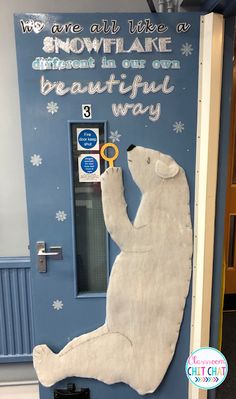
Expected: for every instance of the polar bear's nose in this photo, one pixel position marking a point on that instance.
(131, 147)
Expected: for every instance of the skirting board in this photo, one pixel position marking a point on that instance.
(20, 392)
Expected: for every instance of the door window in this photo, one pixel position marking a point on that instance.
(90, 232)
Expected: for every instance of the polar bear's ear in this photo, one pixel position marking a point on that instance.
(166, 167)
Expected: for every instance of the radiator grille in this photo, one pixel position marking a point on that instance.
(16, 327)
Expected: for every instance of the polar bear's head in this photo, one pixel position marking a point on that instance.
(149, 166)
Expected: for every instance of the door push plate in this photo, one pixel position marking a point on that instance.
(72, 393)
(55, 252)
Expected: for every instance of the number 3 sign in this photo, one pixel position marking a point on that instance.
(87, 111)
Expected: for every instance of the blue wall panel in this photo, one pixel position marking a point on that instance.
(16, 318)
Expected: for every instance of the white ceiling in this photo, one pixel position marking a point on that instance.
(79, 6)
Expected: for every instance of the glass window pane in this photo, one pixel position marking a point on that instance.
(234, 161)
(90, 231)
(232, 242)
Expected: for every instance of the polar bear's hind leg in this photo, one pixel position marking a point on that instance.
(106, 357)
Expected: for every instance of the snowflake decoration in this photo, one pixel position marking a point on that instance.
(115, 136)
(61, 216)
(178, 127)
(186, 49)
(52, 107)
(57, 305)
(36, 160)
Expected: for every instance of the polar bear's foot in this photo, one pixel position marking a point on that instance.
(106, 357)
(44, 362)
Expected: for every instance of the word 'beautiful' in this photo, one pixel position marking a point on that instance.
(78, 45)
(107, 87)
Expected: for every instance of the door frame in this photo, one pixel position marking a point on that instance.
(208, 129)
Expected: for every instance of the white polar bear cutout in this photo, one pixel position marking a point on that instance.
(148, 285)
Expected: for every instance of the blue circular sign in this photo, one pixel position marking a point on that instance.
(89, 164)
(87, 139)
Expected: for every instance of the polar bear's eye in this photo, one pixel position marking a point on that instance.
(149, 160)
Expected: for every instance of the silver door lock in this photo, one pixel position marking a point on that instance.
(55, 252)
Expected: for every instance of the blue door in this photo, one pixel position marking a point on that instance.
(84, 80)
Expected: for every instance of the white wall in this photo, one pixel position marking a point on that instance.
(13, 217)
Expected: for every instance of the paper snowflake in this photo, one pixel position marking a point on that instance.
(186, 49)
(115, 136)
(61, 216)
(57, 305)
(52, 107)
(178, 127)
(36, 160)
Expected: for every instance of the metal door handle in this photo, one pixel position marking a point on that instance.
(55, 252)
(42, 252)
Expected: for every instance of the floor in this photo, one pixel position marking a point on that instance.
(228, 389)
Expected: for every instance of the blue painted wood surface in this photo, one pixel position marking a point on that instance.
(49, 184)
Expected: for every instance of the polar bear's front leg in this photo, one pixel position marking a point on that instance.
(117, 222)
